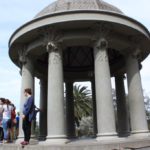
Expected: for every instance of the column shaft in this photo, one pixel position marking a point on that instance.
(136, 99)
(94, 108)
(105, 109)
(70, 110)
(56, 118)
(122, 107)
(27, 82)
(43, 107)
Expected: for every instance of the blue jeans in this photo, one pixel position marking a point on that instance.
(5, 128)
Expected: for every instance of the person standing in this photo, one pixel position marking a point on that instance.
(1, 118)
(27, 115)
(13, 124)
(17, 124)
(7, 109)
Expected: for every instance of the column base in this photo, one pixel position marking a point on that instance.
(33, 141)
(124, 134)
(106, 136)
(55, 140)
(140, 133)
(42, 138)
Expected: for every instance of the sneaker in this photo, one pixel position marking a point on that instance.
(22, 142)
(4, 141)
(25, 143)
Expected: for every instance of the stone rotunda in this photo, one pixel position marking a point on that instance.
(83, 40)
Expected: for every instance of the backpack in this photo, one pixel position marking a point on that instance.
(34, 112)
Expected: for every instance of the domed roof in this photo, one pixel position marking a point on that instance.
(74, 5)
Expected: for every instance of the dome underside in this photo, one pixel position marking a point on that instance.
(71, 5)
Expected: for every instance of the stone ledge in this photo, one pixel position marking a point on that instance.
(123, 144)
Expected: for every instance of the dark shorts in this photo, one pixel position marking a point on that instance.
(9, 123)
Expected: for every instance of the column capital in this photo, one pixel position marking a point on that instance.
(136, 53)
(120, 76)
(101, 30)
(22, 55)
(52, 46)
(133, 52)
(51, 37)
(135, 40)
(101, 43)
(135, 48)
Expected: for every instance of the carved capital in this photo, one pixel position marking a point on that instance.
(22, 55)
(133, 52)
(101, 44)
(50, 37)
(136, 53)
(101, 30)
(135, 40)
(51, 46)
(101, 50)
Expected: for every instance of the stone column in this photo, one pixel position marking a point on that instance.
(94, 108)
(105, 110)
(56, 115)
(27, 82)
(122, 108)
(70, 110)
(43, 108)
(135, 95)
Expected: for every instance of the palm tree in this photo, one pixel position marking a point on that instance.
(82, 102)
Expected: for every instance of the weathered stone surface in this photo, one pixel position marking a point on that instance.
(70, 5)
(124, 144)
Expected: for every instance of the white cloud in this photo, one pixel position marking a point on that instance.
(136, 9)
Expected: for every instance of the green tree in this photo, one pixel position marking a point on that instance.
(82, 102)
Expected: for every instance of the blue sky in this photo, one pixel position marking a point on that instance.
(14, 13)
